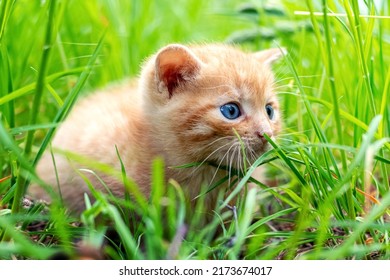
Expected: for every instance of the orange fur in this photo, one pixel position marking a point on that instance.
(172, 112)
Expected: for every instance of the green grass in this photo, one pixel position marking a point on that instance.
(330, 192)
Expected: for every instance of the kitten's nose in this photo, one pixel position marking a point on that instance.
(260, 135)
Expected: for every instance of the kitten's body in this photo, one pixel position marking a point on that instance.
(174, 111)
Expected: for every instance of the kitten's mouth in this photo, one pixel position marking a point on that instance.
(256, 145)
(239, 154)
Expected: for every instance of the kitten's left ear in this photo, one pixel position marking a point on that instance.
(176, 65)
(269, 56)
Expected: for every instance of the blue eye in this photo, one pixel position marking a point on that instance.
(230, 111)
(270, 111)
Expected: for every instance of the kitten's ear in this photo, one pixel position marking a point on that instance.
(175, 65)
(269, 56)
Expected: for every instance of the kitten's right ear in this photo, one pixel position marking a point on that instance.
(269, 56)
(175, 65)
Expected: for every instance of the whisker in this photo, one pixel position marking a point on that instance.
(220, 162)
(216, 150)
(222, 138)
(230, 164)
(252, 155)
(237, 158)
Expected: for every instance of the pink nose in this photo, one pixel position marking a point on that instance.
(260, 134)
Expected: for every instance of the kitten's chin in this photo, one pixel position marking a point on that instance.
(261, 148)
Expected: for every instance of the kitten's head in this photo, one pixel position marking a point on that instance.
(202, 100)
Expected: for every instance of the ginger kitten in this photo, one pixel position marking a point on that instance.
(188, 106)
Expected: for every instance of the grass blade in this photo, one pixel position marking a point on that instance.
(71, 99)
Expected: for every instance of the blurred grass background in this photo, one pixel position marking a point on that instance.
(330, 165)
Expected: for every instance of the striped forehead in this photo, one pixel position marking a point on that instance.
(253, 82)
(257, 88)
